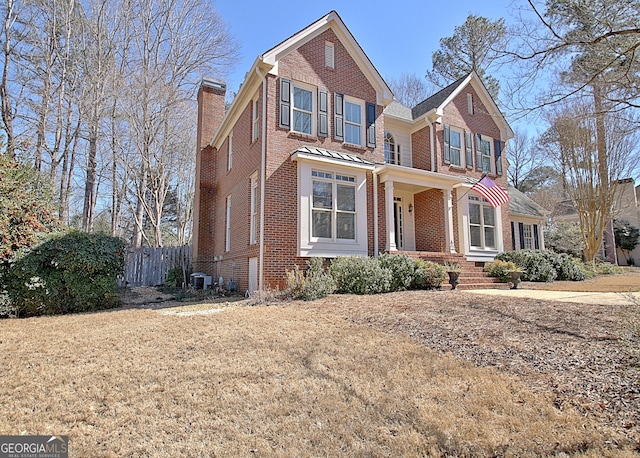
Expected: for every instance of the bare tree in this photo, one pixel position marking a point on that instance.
(525, 159)
(593, 189)
(410, 90)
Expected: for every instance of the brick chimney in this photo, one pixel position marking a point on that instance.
(210, 109)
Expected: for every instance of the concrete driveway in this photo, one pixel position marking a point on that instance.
(563, 296)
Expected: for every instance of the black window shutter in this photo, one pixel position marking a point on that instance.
(371, 124)
(498, 150)
(447, 151)
(323, 113)
(468, 142)
(285, 103)
(479, 152)
(521, 230)
(513, 236)
(536, 239)
(338, 117)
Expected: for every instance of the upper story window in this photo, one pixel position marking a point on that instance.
(391, 150)
(470, 103)
(255, 130)
(298, 107)
(484, 154)
(353, 126)
(253, 210)
(230, 152)
(454, 142)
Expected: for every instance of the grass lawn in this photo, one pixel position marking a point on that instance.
(287, 380)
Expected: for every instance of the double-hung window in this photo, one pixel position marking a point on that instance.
(333, 209)
(484, 154)
(482, 223)
(302, 110)
(253, 226)
(527, 236)
(353, 127)
(255, 130)
(454, 139)
(227, 240)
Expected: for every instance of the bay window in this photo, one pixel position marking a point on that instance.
(333, 211)
(482, 223)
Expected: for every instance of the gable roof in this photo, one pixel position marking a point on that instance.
(432, 108)
(521, 205)
(437, 99)
(332, 21)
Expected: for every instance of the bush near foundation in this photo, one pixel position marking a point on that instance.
(68, 273)
(545, 265)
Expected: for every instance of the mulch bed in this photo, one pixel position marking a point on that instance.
(572, 352)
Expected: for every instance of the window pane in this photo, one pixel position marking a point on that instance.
(302, 122)
(474, 213)
(454, 139)
(322, 195)
(352, 113)
(352, 134)
(486, 164)
(489, 237)
(454, 156)
(346, 198)
(302, 99)
(321, 224)
(476, 238)
(346, 225)
(489, 219)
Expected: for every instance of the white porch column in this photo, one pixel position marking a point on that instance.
(390, 217)
(448, 221)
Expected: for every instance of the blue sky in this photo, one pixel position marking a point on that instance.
(398, 36)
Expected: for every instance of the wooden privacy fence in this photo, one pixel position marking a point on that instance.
(149, 266)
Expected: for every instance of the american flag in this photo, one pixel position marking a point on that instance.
(491, 191)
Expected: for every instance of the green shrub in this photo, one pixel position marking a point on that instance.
(564, 237)
(176, 277)
(68, 273)
(545, 265)
(536, 267)
(500, 269)
(428, 275)
(403, 270)
(360, 275)
(314, 283)
(606, 268)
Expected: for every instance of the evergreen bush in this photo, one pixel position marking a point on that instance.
(68, 273)
(428, 275)
(314, 283)
(360, 275)
(500, 269)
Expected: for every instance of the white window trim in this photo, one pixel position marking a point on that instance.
(363, 120)
(227, 239)
(314, 107)
(474, 253)
(230, 152)
(463, 157)
(253, 210)
(309, 246)
(255, 128)
(329, 54)
(396, 145)
(470, 103)
(491, 155)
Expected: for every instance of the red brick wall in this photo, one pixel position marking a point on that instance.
(210, 113)
(421, 147)
(430, 220)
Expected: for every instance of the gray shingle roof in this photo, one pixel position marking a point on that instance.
(332, 154)
(436, 99)
(398, 110)
(523, 205)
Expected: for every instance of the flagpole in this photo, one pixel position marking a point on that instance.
(469, 190)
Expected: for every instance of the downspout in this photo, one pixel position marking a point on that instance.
(263, 174)
(433, 146)
(375, 213)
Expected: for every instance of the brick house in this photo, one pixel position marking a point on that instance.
(315, 158)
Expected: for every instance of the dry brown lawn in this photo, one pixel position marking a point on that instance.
(404, 374)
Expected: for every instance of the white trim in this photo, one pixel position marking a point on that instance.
(308, 246)
(230, 152)
(253, 209)
(227, 225)
(360, 103)
(329, 55)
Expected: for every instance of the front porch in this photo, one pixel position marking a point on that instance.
(472, 275)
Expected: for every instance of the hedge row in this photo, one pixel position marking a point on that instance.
(363, 275)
